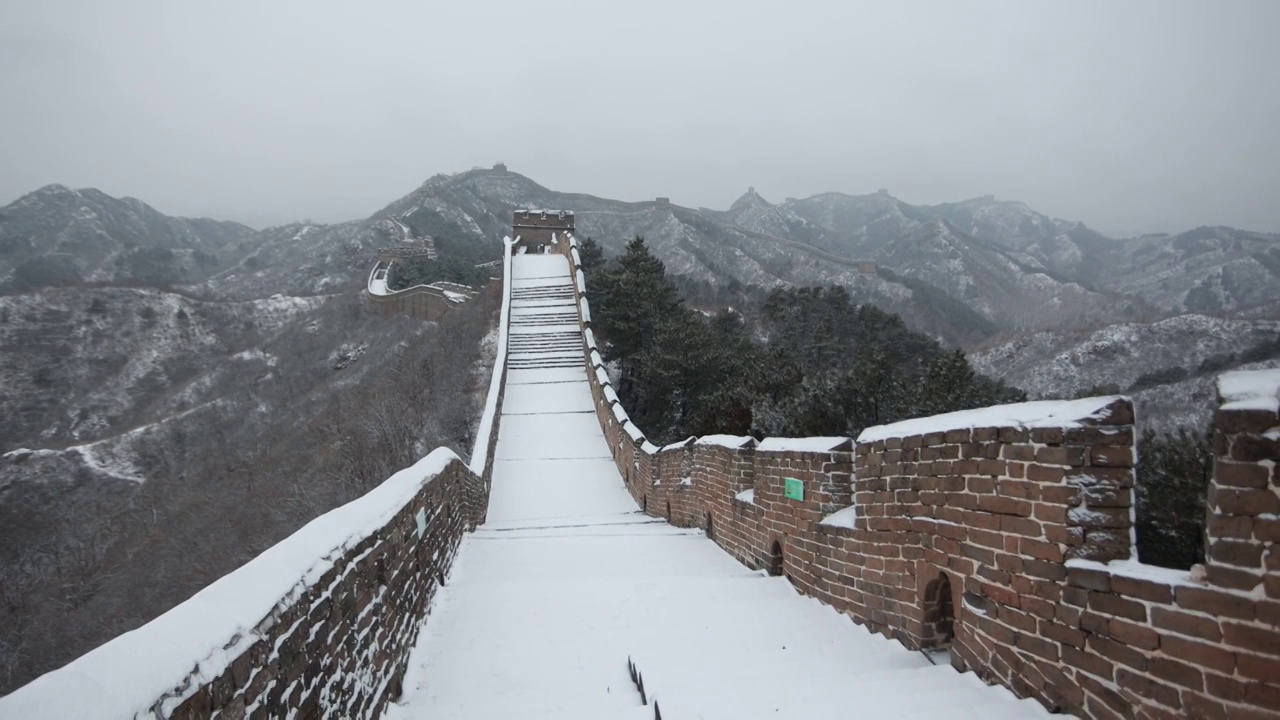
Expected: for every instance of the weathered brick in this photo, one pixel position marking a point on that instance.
(1022, 453)
(1149, 688)
(1040, 549)
(1133, 634)
(1089, 662)
(1004, 505)
(1045, 473)
(1049, 513)
(1237, 501)
(1200, 654)
(1251, 637)
(1117, 652)
(1014, 435)
(1063, 535)
(1061, 494)
(1111, 456)
(1258, 667)
(1037, 646)
(1265, 529)
(978, 484)
(1235, 578)
(1047, 436)
(1103, 702)
(1089, 579)
(1236, 474)
(1254, 448)
(1244, 421)
(991, 467)
(1233, 526)
(1177, 673)
(1231, 552)
(1142, 589)
(1194, 625)
(1043, 569)
(1108, 497)
(1063, 634)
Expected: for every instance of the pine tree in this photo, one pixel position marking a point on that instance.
(590, 255)
(1173, 476)
(635, 301)
(948, 385)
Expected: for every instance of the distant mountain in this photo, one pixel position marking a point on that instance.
(1216, 270)
(59, 236)
(973, 274)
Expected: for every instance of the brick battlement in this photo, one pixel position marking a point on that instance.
(535, 230)
(1010, 544)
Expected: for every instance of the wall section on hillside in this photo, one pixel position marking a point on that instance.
(1009, 542)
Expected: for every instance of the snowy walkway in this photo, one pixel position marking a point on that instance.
(567, 580)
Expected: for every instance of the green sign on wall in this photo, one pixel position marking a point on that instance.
(793, 489)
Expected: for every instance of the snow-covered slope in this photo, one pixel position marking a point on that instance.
(1168, 365)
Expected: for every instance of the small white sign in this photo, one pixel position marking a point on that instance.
(421, 519)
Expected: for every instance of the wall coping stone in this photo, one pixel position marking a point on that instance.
(733, 442)
(1034, 414)
(806, 444)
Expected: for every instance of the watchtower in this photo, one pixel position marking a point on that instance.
(536, 228)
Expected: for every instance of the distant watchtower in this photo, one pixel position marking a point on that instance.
(535, 229)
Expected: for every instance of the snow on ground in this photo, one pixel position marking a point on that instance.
(378, 284)
(567, 580)
(1251, 390)
(1039, 413)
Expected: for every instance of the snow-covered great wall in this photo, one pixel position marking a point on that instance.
(1005, 533)
(319, 625)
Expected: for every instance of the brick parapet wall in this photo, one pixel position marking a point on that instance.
(340, 648)
(1244, 503)
(534, 229)
(1028, 532)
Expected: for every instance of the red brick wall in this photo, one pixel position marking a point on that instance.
(535, 227)
(1032, 531)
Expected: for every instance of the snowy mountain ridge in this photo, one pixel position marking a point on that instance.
(979, 273)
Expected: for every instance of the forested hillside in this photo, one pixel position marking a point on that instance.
(179, 395)
(795, 362)
(98, 539)
(801, 361)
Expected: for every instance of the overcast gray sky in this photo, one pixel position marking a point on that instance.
(1131, 116)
